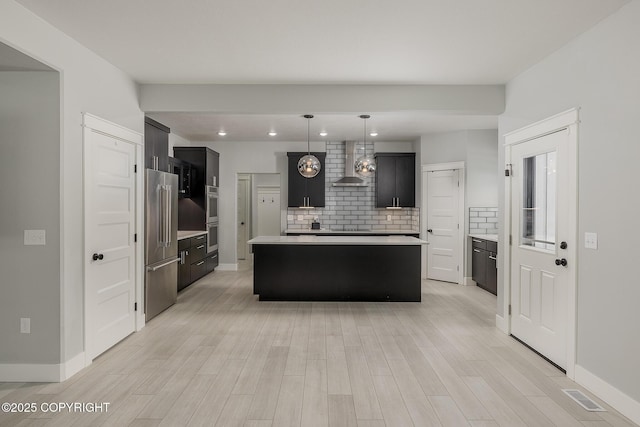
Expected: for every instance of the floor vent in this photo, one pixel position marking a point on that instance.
(583, 400)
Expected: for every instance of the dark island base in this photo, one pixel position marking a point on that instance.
(337, 272)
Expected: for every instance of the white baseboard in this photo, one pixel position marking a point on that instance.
(501, 324)
(227, 267)
(468, 281)
(605, 391)
(73, 366)
(41, 373)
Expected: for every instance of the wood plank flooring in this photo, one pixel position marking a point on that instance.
(221, 358)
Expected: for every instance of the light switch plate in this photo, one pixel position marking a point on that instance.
(300, 217)
(388, 217)
(591, 240)
(34, 237)
(25, 325)
(289, 217)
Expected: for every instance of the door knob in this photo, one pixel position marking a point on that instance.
(562, 262)
(96, 257)
(242, 223)
(429, 230)
(563, 245)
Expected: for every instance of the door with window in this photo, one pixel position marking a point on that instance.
(540, 230)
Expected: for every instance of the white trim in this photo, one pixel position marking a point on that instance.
(42, 373)
(620, 401)
(502, 324)
(462, 214)
(227, 267)
(566, 120)
(91, 123)
(468, 281)
(543, 127)
(30, 373)
(73, 366)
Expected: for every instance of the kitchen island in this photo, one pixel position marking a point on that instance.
(337, 268)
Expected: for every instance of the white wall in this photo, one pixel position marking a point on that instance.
(30, 199)
(479, 150)
(598, 72)
(88, 84)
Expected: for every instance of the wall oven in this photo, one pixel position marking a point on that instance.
(212, 204)
(212, 237)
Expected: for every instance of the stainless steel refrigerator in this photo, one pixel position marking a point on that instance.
(161, 278)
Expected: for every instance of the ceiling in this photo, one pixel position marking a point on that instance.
(323, 42)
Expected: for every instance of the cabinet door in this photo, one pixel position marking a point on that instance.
(156, 144)
(406, 181)
(213, 168)
(492, 274)
(184, 272)
(212, 261)
(385, 181)
(301, 187)
(479, 266)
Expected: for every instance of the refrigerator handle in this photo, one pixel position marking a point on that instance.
(168, 207)
(162, 213)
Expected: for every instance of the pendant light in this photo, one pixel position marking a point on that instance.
(365, 166)
(309, 165)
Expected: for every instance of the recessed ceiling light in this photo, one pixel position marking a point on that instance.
(373, 134)
(221, 133)
(323, 133)
(272, 133)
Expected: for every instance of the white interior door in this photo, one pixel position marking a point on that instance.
(268, 207)
(443, 227)
(110, 253)
(244, 215)
(539, 231)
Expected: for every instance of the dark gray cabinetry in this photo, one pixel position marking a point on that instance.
(484, 269)
(205, 170)
(194, 260)
(305, 192)
(395, 180)
(183, 170)
(156, 145)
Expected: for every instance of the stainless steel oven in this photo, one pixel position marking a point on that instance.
(212, 204)
(212, 237)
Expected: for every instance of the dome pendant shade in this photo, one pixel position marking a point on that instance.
(365, 166)
(309, 166)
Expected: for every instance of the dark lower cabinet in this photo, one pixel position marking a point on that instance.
(483, 264)
(195, 262)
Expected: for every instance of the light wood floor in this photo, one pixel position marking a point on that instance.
(219, 357)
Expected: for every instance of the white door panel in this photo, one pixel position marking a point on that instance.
(443, 251)
(539, 222)
(110, 223)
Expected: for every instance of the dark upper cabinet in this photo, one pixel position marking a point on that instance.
(183, 170)
(395, 180)
(305, 192)
(156, 145)
(205, 170)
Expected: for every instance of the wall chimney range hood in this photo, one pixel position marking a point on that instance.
(350, 179)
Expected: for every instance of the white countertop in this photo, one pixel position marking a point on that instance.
(490, 237)
(186, 234)
(354, 232)
(337, 240)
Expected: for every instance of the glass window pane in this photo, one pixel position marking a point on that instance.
(539, 201)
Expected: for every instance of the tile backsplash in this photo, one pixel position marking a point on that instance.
(351, 208)
(483, 220)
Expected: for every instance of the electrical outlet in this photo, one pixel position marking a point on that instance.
(25, 325)
(289, 217)
(591, 240)
(300, 217)
(388, 217)
(34, 237)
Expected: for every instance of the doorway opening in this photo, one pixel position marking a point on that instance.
(259, 209)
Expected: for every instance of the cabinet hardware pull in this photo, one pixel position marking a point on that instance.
(200, 237)
(476, 250)
(492, 257)
(477, 241)
(200, 263)
(200, 247)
